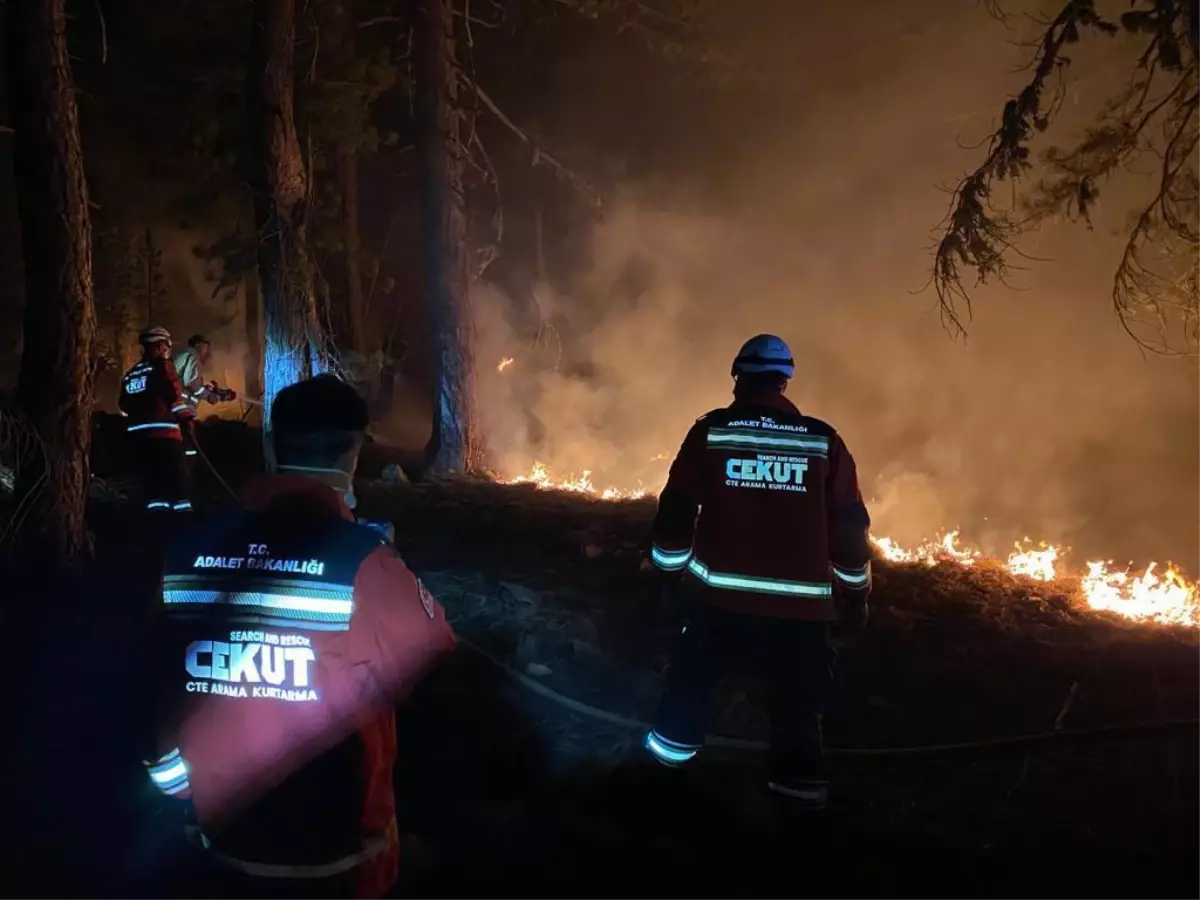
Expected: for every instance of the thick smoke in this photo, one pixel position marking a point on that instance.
(815, 210)
(1047, 423)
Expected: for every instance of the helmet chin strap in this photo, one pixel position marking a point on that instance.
(347, 488)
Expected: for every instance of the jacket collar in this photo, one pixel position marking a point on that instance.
(265, 492)
(768, 399)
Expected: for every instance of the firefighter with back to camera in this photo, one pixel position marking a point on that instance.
(287, 633)
(159, 420)
(762, 517)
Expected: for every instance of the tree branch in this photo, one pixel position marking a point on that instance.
(974, 235)
(1142, 288)
(1157, 282)
(380, 20)
(580, 183)
(103, 33)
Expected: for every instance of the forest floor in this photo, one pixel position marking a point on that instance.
(520, 762)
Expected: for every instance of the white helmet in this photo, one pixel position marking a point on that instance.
(764, 353)
(155, 335)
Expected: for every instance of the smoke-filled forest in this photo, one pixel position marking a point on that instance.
(531, 236)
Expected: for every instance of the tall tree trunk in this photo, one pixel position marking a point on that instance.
(343, 53)
(347, 165)
(457, 443)
(54, 389)
(293, 348)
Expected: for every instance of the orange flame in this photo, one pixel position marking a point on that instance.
(540, 478)
(504, 363)
(1169, 598)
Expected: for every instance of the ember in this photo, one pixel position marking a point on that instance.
(1167, 598)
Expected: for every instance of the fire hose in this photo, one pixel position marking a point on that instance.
(1164, 726)
(1167, 726)
(208, 462)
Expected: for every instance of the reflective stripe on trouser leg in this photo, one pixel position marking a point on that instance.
(805, 794)
(668, 752)
(683, 713)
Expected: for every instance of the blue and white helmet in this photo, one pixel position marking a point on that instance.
(154, 335)
(764, 353)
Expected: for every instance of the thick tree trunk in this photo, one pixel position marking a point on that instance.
(54, 388)
(457, 443)
(292, 344)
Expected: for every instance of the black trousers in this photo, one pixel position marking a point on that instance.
(793, 659)
(190, 457)
(164, 474)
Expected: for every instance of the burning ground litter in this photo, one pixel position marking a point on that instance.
(555, 581)
(1156, 593)
(552, 584)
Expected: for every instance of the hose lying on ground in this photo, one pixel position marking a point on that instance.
(1167, 726)
(208, 462)
(1170, 726)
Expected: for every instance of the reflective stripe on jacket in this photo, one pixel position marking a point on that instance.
(152, 399)
(762, 509)
(287, 634)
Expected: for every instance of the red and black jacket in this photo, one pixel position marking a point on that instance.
(152, 398)
(287, 635)
(762, 509)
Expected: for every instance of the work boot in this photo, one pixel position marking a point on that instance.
(755, 807)
(799, 805)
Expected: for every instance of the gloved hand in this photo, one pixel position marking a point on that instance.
(227, 395)
(191, 823)
(852, 618)
(660, 585)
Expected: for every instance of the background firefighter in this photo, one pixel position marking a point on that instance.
(159, 418)
(287, 633)
(762, 517)
(190, 363)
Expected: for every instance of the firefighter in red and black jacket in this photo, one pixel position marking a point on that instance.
(159, 419)
(762, 517)
(288, 631)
